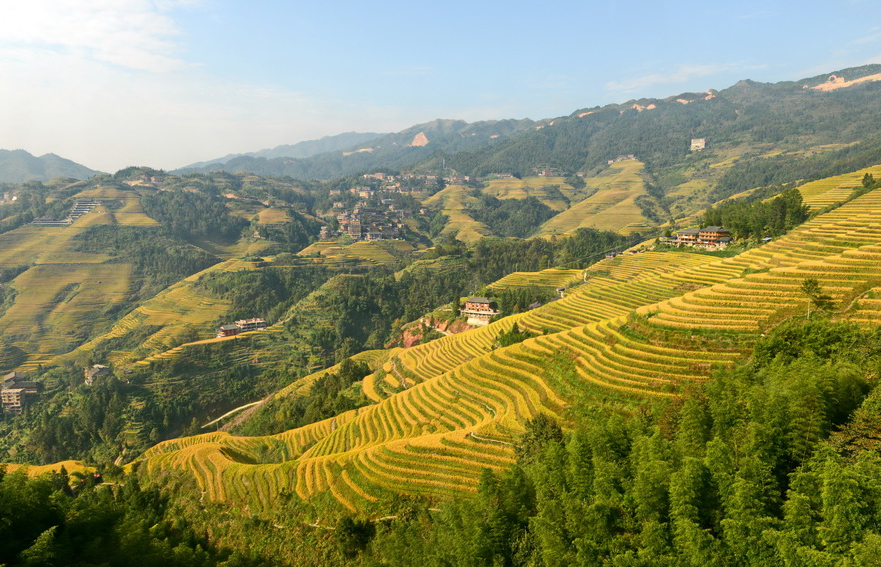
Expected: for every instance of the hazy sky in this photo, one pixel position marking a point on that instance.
(164, 83)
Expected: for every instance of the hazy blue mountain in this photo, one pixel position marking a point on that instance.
(304, 149)
(392, 151)
(17, 166)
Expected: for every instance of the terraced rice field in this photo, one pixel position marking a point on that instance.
(64, 296)
(825, 192)
(178, 309)
(375, 252)
(132, 214)
(551, 278)
(536, 187)
(37, 470)
(637, 330)
(612, 207)
(272, 216)
(453, 201)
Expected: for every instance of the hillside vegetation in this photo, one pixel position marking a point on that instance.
(631, 403)
(643, 327)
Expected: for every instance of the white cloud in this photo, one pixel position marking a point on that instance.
(872, 36)
(103, 83)
(682, 74)
(108, 117)
(135, 34)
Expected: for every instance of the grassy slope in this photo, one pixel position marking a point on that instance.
(536, 187)
(612, 207)
(453, 201)
(607, 202)
(62, 302)
(65, 296)
(368, 253)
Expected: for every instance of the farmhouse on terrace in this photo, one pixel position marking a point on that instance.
(709, 237)
(241, 326)
(479, 310)
(13, 392)
(96, 371)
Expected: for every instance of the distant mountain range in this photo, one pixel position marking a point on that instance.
(399, 150)
(305, 149)
(755, 133)
(18, 166)
(760, 133)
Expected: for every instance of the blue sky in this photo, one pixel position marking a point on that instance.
(112, 83)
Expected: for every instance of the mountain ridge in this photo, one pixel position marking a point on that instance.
(484, 147)
(18, 166)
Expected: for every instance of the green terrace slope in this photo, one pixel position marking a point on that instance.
(65, 295)
(454, 201)
(640, 328)
(608, 201)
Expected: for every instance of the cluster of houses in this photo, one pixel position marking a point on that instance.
(622, 157)
(241, 326)
(80, 208)
(370, 223)
(541, 173)
(404, 183)
(708, 237)
(15, 390)
(8, 197)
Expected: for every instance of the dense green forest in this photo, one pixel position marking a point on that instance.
(511, 217)
(187, 214)
(61, 519)
(267, 293)
(759, 219)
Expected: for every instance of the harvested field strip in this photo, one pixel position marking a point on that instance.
(430, 471)
(356, 488)
(368, 387)
(453, 464)
(463, 443)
